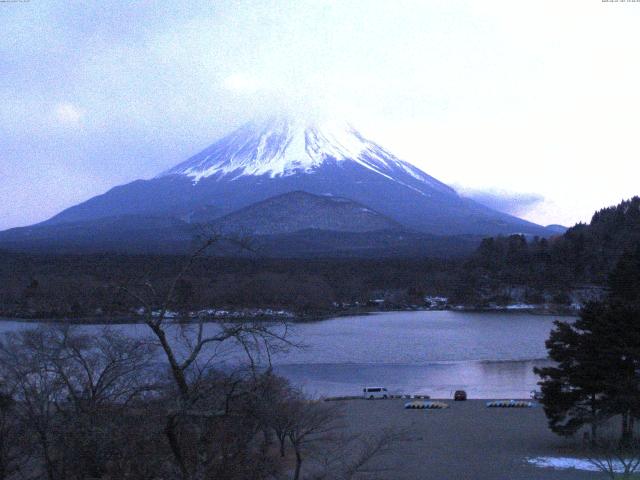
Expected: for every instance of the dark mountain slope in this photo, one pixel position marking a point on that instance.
(297, 224)
(127, 234)
(262, 160)
(296, 211)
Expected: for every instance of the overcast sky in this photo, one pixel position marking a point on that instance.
(532, 102)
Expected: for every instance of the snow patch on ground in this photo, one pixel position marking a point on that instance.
(520, 306)
(566, 463)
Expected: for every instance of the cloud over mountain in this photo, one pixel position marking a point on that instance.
(513, 203)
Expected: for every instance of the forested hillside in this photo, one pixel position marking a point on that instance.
(77, 286)
(560, 271)
(541, 268)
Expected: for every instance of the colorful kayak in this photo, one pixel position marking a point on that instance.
(425, 405)
(510, 404)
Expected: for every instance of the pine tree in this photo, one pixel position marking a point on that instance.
(574, 388)
(597, 360)
(619, 337)
(624, 280)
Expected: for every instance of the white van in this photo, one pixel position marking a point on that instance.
(375, 392)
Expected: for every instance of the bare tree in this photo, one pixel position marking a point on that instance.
(191, 351)
(108, 369)
(37, 392)
(311, 423)
(102, 376)
(345, 457)
(368, 449)
(71, 389)
(615, 458)
(276, 407)
(14, 444)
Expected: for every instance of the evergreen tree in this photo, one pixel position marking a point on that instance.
(618, 332)
(574, 388)
(624, 280)
(597, 360)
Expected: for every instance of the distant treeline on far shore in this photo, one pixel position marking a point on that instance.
(502, 270)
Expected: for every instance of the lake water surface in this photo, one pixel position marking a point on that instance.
(491, 355)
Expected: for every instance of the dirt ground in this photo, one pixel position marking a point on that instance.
(465, 441)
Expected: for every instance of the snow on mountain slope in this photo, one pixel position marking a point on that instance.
(261, 160)
(282, 147)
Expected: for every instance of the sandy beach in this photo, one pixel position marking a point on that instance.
(465, 441)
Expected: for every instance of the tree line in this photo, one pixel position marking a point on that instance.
(547, 269)
(80, 286)
(543, 270)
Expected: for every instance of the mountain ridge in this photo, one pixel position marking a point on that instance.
(262, 160)
(298, 211)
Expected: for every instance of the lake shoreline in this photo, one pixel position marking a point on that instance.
(414, 352)
(310, 318)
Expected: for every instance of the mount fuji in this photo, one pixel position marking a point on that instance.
(271, 158)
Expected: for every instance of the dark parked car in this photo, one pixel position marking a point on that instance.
(460, 395)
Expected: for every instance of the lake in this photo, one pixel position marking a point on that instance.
(490, 355)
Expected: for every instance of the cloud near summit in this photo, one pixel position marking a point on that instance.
(518, 204)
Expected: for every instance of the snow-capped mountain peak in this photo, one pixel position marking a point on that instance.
(283, 146)
(273, 158)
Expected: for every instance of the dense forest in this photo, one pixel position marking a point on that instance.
(74, 286)
(503, 270)
(549, 269)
